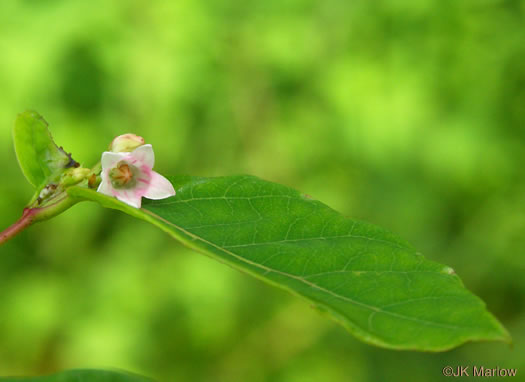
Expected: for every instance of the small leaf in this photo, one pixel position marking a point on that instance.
(41, 160)
(82, 376)
(367, 279)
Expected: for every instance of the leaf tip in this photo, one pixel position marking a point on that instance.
(30, 115)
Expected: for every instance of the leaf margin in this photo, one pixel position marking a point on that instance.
(29, 127)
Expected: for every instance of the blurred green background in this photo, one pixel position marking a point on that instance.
(407, 114)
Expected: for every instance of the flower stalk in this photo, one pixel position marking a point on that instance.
(35, 214)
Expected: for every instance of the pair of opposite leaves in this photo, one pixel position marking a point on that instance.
(367, 279)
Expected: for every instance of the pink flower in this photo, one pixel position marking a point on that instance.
(128, 176)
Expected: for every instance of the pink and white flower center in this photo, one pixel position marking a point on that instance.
(123, 175)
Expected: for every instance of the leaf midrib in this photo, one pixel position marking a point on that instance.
(373, 309)
(226, 198)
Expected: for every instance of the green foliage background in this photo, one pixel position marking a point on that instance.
(406, 114)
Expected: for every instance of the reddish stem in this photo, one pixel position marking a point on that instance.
(22, 223)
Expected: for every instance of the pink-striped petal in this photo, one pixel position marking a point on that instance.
(159, 187)
(109, 159)
(105, 186)
(144, 155)
(130, 197)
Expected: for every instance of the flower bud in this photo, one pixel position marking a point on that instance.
(74, 176)
(126, 143)
(93, 181)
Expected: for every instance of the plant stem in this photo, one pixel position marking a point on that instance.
(61, 203)
(25, 221)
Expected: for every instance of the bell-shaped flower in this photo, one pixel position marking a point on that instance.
(129, 177)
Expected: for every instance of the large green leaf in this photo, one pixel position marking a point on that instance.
(39, 157)
(82, 376)
(373, 283)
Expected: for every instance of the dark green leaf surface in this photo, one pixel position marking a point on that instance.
(39, 157)
(373, 283)
(82, 376)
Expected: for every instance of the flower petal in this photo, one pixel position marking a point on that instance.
(129, 197)
(144, 155)
(105, 186)
(159, 187)
(109, 159)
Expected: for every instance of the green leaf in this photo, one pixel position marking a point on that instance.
(370, 281)
(41, 160)
(82, 376)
